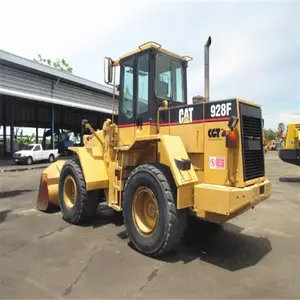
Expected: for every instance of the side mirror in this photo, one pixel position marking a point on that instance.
(108, 70)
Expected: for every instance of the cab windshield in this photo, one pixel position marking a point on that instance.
(169, 79)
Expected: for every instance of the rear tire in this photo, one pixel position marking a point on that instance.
(76, 203)
(51, 158)
(149, 235)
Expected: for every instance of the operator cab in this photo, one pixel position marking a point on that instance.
(148, 76)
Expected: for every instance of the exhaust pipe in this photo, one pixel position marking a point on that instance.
(206, 68)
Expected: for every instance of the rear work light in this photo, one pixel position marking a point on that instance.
(231, 139)
(231, 136)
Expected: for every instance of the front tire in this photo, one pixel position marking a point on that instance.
(76, 203)
(51, 158)
(153, 223)
(29, 161)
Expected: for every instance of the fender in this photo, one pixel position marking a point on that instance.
(173, 154)
(93, 167)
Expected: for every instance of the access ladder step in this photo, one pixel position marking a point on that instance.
(117, 187)
(116, 207)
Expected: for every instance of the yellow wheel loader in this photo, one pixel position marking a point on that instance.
(165, 159)
(291, 151)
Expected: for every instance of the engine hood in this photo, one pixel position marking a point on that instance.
(22, 153)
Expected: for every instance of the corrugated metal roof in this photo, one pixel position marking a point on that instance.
(19, 62)
(23, 78)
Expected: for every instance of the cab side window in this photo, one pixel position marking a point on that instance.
(169, 79)
(127, 99)
(143, 79)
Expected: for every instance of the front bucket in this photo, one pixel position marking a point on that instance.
(43, 196)
(47, 197)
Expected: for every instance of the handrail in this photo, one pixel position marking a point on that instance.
(150, 42)
(88, 126)
(164, 107)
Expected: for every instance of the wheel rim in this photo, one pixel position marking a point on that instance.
(70, 192)
(51, 158)
(145, 210)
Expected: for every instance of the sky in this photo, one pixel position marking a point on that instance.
(254, 53)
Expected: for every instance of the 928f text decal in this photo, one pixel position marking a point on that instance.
(220, 110)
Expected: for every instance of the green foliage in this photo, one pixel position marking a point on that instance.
(23, 140)
(60, 64)
(271, 134)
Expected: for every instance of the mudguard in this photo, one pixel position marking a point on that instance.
(93, 167)
(173, 154)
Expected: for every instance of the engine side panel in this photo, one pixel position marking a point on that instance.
(200, 127)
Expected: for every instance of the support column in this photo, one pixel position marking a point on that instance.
(52, 126)
(4, 124)
(36, 124)
(81, 135)
(61, 113)
(12, 144)
(36, 135)
(4, 140)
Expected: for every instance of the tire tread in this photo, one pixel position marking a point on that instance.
(177, 223)
(88, 205)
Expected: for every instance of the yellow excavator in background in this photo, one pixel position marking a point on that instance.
(291, 151)
(166, 159)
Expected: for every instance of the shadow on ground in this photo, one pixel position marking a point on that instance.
(105, 215)
(225, 247)
(14, 193)
(3, 214)
(289, 179)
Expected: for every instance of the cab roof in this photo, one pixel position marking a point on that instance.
(157, 46)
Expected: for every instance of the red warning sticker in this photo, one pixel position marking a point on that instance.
(217, 162)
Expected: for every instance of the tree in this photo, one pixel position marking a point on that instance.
(60, 64)
(23, 140)
(271, 135)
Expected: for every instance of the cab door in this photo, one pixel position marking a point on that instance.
(143, 122)
(37, 153)
(126, 119)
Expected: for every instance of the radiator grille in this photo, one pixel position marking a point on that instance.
(252, 144)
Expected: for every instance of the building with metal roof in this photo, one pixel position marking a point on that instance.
(28, 79)
(35, 95)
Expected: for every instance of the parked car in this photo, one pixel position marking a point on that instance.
(34, 153)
